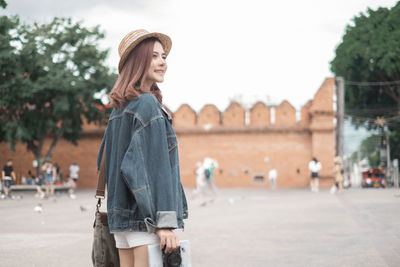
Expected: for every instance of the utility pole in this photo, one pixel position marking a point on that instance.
(339, 115)
(396, 173)
(384, 147)
(388, 161)
(386, 131)
(359, 169)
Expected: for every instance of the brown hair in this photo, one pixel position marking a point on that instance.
(129, 84)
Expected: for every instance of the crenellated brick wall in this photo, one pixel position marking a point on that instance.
(243, 149)
(209, 115)
(260, 115)
(184, 117)
(234, 115)
(285, 114)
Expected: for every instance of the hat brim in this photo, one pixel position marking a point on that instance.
(164, 39)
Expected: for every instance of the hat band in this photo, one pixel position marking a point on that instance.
(134, 40)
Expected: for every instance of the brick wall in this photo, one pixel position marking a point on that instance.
(242, 151)
(285, 114)
(260, 115)
(184, 117)
(209, 115)
(234, 115)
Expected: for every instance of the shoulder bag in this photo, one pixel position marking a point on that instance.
(104, 251)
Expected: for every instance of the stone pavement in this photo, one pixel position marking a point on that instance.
(239, 227)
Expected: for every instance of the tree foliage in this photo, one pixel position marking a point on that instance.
(370, 52)
(49, 75)
(369, 149)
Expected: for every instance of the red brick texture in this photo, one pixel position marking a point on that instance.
(209, 115)
(234, 115)
(260, 115)
(184, 117)
(285, 114)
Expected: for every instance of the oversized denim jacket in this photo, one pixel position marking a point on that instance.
(144, 190)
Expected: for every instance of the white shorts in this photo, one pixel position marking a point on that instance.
(135, 239)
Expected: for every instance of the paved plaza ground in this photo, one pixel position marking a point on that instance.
(239, 227)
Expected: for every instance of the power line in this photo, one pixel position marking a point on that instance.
(387, 119)
(372, 83)
(375, 109)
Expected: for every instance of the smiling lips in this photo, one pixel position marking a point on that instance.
(159, 72)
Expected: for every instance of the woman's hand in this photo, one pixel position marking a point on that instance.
(168, 239)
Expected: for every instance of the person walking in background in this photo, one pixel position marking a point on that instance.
(272, 175)
(73, 176)
(31, 178)
(139, 150)
(58, 178)
(38, 181)
(50, 173)
(314, 166)
(338, 170)
(8, 176)
(209, 165)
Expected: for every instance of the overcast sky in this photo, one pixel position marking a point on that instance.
(223, 49)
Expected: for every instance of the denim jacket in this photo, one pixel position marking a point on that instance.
(144, 190)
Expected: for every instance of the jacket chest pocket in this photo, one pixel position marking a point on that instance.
(173, 154)
(172, 142)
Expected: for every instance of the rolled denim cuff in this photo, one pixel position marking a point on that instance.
(165, 220)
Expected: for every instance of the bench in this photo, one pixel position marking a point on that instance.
(21, 187)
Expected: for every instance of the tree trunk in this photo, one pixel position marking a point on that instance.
(50, 152)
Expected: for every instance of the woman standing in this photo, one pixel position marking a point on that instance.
(145, 198)
(338, 170)
(314, 166)
(50, 177)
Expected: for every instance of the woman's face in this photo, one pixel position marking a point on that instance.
(158, 65)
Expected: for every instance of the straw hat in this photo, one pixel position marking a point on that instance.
(132, 39)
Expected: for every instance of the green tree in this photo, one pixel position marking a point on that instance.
(8, 57)
(370, 52)
(369, 149)
(53, 71)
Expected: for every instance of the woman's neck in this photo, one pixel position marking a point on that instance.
(146, 87)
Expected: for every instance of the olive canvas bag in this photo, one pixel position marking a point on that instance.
(104, 251)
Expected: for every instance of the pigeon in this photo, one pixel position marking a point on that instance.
(83, 208)
(38, 208)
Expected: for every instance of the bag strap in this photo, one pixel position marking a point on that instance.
(101, 182)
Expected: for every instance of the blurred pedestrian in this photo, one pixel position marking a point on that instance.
(209, 165)
(58, 179)
(314, 166)
(8, 176)
(50, 173)
(39, 183)
(31, 178)
(338, 170)
(35, 181)
(73, 175)
(272, 175)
